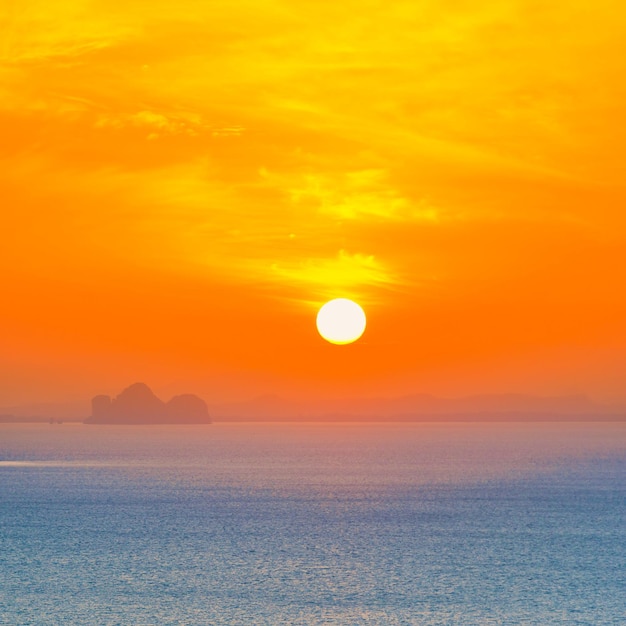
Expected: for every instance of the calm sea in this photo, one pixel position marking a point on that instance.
(313, 524)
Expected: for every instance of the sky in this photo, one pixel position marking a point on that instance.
(183, 185)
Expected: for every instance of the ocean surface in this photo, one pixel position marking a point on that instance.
(341, 524)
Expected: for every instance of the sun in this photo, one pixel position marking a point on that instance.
(341, 321)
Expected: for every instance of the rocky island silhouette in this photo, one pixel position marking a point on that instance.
(137, 404)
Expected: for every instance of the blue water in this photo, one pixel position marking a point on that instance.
(309, 524)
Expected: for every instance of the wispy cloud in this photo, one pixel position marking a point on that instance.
(343, 275)
(35, 31)
(158, 124)
(362, 194)
(261, 139)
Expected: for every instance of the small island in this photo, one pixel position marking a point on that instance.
(137, 404)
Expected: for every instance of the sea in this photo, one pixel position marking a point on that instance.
(306, 524)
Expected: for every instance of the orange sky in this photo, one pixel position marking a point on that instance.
(184, 183)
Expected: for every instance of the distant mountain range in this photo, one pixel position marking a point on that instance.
(138, 405)
(422, 407)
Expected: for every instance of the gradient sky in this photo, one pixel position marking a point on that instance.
(183, 184)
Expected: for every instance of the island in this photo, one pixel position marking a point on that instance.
(137, 404)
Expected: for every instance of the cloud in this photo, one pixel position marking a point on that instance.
(180, 123)
(344, 274)
(362, 194)
(280, 133)
(36, 30)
